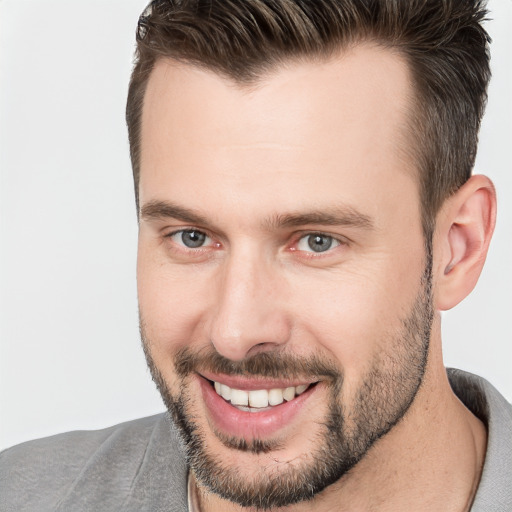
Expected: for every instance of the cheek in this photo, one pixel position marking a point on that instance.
(170, 302)
(351, 315)
(344, 320)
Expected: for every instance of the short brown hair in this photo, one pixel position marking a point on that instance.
(443, 42)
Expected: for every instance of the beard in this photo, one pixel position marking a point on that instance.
(344, 435)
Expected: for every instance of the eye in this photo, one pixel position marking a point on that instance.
(190, 238)
(317, 242)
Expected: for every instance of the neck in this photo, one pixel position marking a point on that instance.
(431, 460)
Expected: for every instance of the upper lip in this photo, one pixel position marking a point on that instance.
(253, 383)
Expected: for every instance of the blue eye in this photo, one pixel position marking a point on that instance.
(191, 238)
(317, 242)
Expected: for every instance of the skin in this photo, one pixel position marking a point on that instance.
(310, 137)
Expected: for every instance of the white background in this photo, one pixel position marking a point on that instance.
(70, 355)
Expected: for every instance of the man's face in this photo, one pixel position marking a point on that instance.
(282, 264)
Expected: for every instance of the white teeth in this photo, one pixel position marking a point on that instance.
(259, 398)
(239, 397)
(300, 389)
(225, 392)
(289, 394)
(275, 397)
(251, 409)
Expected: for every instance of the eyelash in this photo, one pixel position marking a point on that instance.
(312, 254)
(292, 247)
(191, 250)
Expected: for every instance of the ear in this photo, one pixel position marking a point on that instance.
(463, 232)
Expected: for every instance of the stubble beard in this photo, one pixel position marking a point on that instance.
(343, 437)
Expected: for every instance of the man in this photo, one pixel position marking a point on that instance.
(306, 210)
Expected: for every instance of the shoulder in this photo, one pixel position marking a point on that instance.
(484, 400)
(76, 470)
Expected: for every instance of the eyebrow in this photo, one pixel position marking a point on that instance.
(333, 216)
(155, 210)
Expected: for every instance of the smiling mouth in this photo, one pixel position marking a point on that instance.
(259, 400)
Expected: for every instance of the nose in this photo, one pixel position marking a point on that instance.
(249, 313)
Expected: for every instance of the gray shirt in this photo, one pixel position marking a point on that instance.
(139, 465)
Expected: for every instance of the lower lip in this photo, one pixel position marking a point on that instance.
(250, 425)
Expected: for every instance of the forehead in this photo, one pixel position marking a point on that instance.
(340, 122)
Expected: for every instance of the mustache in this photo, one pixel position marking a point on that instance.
(264, 364)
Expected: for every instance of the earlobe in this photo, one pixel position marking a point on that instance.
(464, 233)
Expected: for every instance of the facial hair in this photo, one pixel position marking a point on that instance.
(346, 433)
